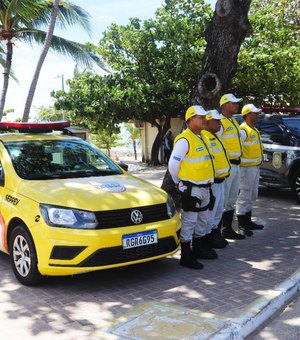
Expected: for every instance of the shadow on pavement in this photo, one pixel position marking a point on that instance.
(244, 271)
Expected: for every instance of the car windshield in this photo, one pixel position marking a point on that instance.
(59, 159)
(293, 123)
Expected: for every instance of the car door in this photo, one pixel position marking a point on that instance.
(274, 140)
(2, 223)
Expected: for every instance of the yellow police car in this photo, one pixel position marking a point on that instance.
(66, 208)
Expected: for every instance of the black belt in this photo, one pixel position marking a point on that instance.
(219, 180)
(235, 161)
(186, 183)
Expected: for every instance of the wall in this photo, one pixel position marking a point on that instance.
(149, 133)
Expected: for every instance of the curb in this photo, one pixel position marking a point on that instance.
(154, 319)
(252, 317)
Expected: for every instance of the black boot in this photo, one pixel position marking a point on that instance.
(216, 239)
(250, 224)
(187, 257)
(243, 225)
(226, 230)
(202, 248)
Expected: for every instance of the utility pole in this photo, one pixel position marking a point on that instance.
(63, 89)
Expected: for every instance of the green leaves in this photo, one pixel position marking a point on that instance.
(28, 20)
(155, 66)
(269, 61)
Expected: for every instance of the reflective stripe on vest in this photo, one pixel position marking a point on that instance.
(197, 165)
(231, 137)
(221, 161)
(252, 147)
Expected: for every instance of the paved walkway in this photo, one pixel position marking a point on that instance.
(228, 299)
(253, 278)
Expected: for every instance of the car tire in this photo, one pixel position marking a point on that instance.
(23, 257)
(296, 184)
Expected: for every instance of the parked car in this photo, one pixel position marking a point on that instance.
(280, 134)
(66, 208)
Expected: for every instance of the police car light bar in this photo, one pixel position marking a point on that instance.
(34, 127)
(292, 110)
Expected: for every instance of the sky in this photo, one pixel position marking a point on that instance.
(57, 67)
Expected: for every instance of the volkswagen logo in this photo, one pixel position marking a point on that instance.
(136, 216)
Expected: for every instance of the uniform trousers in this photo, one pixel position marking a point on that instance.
(215, 215)
(194, 224)
(248, 189)
(231, 188)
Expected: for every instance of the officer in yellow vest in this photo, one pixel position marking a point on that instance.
(222, 170)
(251, 159)
(231, 137)
(191, 167)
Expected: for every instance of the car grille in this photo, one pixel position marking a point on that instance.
(114, 255)
(122, 217)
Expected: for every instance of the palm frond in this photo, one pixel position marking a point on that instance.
(20, 11)
(80, 53)
(3, 62)
(68, 14)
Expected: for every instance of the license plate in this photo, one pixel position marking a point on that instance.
(139, 239)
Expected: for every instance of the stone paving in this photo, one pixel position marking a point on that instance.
(81, 306)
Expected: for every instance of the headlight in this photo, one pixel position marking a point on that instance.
(171, 206)
(68, 218)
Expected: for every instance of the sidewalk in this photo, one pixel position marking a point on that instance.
(232, 296)
(228, 299)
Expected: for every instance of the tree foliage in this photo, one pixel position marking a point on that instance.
(106, 140)
(25, 20)
(48, 114)
(269, 61)
(135, 135)
(155, 66)
(93, 101)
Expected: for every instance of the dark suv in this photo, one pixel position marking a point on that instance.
(280, 134)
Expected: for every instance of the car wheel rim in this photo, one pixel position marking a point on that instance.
(21, 255)
(297, 186)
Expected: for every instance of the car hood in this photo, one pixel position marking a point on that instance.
(94, 193)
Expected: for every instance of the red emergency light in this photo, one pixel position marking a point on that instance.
(291, 110)
(34, 127)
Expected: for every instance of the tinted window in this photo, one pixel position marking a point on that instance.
(270, 132)
(293, 124)
(59, 159)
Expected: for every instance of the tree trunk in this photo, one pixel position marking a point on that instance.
(224, 36)
(134, 149)
(162, 130)
(7, 68)
(41, 61)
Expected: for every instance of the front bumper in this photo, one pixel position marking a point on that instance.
(63, 251)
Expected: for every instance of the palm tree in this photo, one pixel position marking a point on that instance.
(41, 60)
(24, 20)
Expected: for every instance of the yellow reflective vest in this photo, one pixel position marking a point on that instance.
(231, 138)
(221, 160)
(252, 147)
(197, 165)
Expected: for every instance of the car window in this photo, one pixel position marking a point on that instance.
(270, 132)
(293, 124)
(59, 159)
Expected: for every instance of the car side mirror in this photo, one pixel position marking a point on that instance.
(123, 166)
